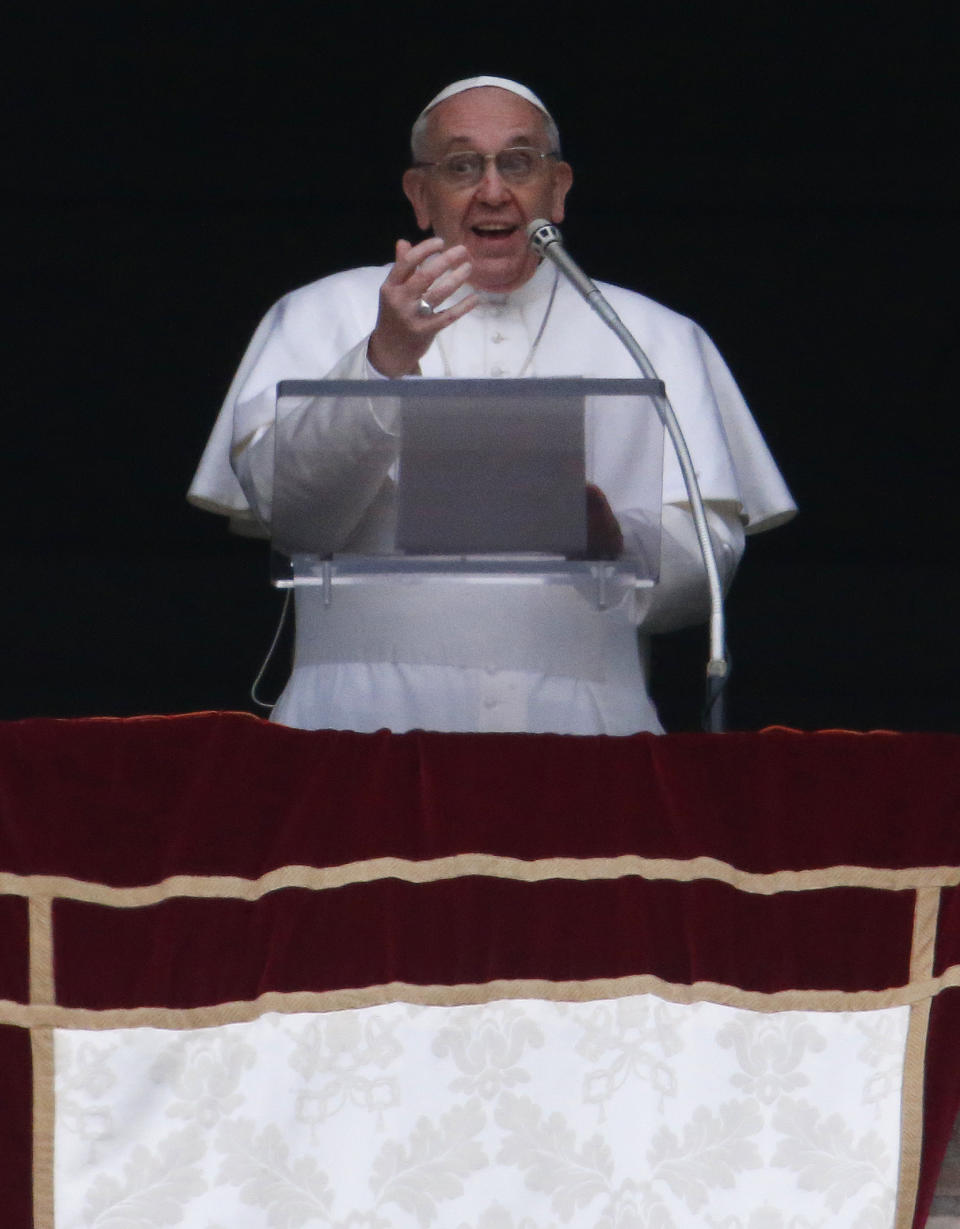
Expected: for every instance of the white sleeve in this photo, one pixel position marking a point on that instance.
(681, 596)
(319, 330)
(326, 459)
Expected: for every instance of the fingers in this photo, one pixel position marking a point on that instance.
(422, 273)
(427, 267)
(409, 256)
(442, 287)
(604, 536)
(450, 314)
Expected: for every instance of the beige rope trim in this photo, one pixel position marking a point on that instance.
(911, 1115)
(40, 912)
(490, 865)
(925, 918)
(44, 1111)
(42, 993)
(926, 913)
(53, 1016)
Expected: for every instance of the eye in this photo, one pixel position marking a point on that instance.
(516, 163)
(461, 166)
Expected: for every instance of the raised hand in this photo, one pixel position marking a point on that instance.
(424, 274)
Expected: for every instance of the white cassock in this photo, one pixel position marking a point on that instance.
(537, 658)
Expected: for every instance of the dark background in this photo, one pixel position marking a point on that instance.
(782, 177)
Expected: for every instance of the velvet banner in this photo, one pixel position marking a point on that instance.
(194, 907)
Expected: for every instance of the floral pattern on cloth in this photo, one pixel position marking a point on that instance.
(631, 1113)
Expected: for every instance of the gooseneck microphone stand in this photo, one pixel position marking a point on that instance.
(545, 240)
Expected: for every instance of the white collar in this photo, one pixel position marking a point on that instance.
(535, 289)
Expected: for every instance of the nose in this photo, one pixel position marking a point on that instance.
(491, 189)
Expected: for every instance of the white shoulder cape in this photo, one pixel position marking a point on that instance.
(310, 330)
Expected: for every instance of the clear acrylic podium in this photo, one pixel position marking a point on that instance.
(464, 481)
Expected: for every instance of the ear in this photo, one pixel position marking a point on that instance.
(415, 190)
(562, 183)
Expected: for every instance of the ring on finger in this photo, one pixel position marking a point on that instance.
(424, 308)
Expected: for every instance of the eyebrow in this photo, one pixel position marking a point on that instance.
(520, 138)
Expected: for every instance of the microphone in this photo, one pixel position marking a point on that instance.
(546, 241)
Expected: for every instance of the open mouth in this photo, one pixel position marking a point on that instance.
(494, 231)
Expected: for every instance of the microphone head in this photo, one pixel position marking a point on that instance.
(542, 234)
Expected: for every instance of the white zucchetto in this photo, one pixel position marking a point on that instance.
(475, 83)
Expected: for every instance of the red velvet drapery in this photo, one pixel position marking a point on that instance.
(675, 856)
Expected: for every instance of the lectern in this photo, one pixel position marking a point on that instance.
(462, 481)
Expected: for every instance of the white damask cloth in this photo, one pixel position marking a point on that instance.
(513, 1114)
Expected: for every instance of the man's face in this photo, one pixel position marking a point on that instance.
(490, 217)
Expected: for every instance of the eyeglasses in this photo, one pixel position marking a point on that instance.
(466, 167)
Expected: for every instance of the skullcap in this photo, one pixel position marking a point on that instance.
(475, 83)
